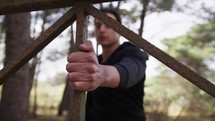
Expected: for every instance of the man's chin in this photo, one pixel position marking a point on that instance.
(103, 42)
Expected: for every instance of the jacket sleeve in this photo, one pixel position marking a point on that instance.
(132, 68)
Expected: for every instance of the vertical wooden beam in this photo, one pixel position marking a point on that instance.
(78, 97)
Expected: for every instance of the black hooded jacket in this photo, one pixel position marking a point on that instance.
(124, 103)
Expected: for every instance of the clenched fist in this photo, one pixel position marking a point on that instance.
(84, 71)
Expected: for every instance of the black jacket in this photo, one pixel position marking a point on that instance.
(124, 103)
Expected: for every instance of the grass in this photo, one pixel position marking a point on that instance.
(48, 100)
(50, 114)
(49, 97)
(47, 118)
(46, 114)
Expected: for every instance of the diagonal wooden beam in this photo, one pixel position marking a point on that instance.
(37, 45)
(166, 59)
(17, 6)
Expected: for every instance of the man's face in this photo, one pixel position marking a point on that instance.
(105, 35)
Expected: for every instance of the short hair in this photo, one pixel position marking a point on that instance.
(114, 12)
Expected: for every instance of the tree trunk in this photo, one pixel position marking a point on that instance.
(15, 93)
(66, 99)
(65, 102)
(37, 61)
(143, 15)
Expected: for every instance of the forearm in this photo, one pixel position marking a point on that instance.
(111, 76)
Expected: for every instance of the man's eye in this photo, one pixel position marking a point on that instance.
(98, 25)
(107, 26)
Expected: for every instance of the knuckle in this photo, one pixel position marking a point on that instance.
(93, 68)
(91, 78)
(68, 67)
(70, 77)
(89, 68)
(70, 57)
(91, 58)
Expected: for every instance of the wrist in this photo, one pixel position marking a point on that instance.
(110, 76)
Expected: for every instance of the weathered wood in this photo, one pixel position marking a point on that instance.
(78, 97)
(37, 45)
(17, 6)
(166, 59)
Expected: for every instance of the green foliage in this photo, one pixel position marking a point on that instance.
(166, 87)
(196, 48)
(129, 15)
(161, 5)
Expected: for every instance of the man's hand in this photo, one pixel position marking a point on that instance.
(84, 71)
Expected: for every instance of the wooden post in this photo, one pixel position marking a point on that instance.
(77, 107)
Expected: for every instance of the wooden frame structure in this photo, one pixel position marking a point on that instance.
(79, 11)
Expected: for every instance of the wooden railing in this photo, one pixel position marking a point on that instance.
(79, 11)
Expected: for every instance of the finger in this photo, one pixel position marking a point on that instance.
(76, 57)
(82, 57)
(82, 67)
(74, 67)
(78, 77)
(82, 77)
(87, 47)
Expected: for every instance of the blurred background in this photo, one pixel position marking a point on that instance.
(184, 29)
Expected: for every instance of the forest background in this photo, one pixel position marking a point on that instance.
(182, 28)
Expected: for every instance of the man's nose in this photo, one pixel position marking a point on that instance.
(102, 28)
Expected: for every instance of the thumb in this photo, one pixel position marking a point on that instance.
(86, 47)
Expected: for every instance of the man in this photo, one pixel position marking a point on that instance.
(114, 80)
